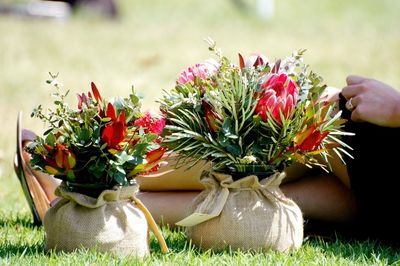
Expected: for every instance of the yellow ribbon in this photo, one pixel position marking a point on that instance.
(152, 224)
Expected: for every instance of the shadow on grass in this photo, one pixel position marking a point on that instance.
(21, 250)
(15, 228)
(18, 219)
(356, 249)
(350, 242)
(175, 239)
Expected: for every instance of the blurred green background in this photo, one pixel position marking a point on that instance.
(151, 41)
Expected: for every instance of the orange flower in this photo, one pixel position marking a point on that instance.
(64, 159)
(310, 139)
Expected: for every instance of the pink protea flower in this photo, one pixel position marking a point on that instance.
(202, 71)
(279, 95)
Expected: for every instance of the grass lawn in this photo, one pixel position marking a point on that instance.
(150, 43)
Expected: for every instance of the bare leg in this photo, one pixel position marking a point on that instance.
(168, 207)
(323, 197)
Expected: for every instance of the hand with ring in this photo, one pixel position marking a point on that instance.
(372, 101)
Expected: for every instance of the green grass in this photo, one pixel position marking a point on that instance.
(147, 47)
(21, 243)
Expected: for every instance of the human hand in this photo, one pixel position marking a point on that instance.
(374, 101)
(330, 94)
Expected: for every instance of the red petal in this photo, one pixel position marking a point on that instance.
(59, 157)
(113, 134)
(211, 121)
(241, 61)
(155, 155)
(289, 106)
(79, 101)
(259, 61)
(107, 134)
(313, 141)
(111, 112)
(275, 69)
(48, 147)
(121, 117)
(50, 162)
(95, 91)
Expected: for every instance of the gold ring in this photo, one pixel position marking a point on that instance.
(349, 105)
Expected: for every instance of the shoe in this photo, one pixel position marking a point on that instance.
(35, 195)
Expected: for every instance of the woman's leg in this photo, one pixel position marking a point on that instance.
(322, 196)
(167, 207)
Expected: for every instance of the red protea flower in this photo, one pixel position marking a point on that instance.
(279, 95)
(310, 139)
(115, 132)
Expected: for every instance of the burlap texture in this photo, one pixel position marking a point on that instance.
(109, 223)
(256, 215)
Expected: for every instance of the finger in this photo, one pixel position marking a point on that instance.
(353, 79)
(356, 115)
(351, 91)
(330, 94)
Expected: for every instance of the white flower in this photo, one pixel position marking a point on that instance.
(249, 159)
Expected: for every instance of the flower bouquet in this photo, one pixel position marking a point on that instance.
(97, 149)
(250, 120)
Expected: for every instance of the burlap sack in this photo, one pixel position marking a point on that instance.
(249, 215)
(110, 223)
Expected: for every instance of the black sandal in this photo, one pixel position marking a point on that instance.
(34, 193)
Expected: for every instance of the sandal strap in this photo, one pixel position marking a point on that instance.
(34, 194)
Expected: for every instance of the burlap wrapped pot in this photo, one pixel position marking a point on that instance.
(246, 214)
(113, 222)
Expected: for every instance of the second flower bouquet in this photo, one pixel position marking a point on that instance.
(97, 149)
(251, 120)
